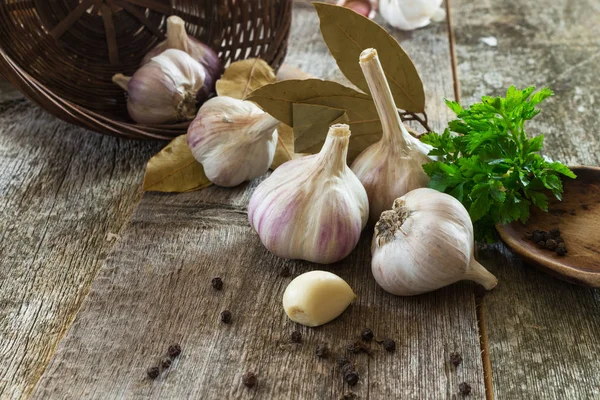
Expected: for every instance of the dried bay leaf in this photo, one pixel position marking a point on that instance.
(174, 169)
(347, 34)
(243, 77)
(285, 146)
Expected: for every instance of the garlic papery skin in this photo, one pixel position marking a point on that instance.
(234, 140)
(177, 38)
(164, 90)
(312, 208)
(411, 14)
(391, 167)
(425, 243)
(316, 298)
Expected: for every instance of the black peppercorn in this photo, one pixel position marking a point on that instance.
(342, 361)
(322, 351)
(174, 350)
(351, 378)
(561, 251)
(389, 345)
(538, 236)
(249, 379)
(541, 244)
(153, 372)
(166, 363)
(367, 335)
(455, 359)
(217, 283)
(551, 244)
(529, 235)
(554, 233)
(296, 337)
(464, 388)
(348, 367)
(354, 347)
(226, 317)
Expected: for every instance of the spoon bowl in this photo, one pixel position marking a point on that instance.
(578, 218)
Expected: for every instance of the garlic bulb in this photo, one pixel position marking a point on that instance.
(177, 38)
(425, 243)
(233, 139)
(312, 208)
(362, 7)
(316, 298)
(411, 14)
(164, 90)
(391, 167)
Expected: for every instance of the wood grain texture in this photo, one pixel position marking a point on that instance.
(154, 289)
(544, 334)
(63, 190)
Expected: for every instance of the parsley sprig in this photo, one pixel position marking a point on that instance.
(491, 166)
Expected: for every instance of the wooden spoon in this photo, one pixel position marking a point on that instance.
(578, 218)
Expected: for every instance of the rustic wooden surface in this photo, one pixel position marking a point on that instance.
(155, 289)
(63, 191)
(544, 334)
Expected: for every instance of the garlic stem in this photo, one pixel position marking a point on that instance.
(122, 81)
(393, 128)
(334, 152)
(479, 274)
(177, 37)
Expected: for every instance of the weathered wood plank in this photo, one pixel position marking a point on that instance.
(62, 191)
(544, 334)
(155, 289)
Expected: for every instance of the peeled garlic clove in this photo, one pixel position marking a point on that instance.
(233, 139)
(425, 243)
(164, 90)
(411, 14)
(391, 167)
(312, 208)
(177, 38)
(316, 298)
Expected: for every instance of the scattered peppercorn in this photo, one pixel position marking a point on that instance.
(539, 236)
(367, 335)
(166, 363)
(357, 347)
(217, 283)
(296, 337)
(285, 272)
(529, 235)
(342, 361)
(541, 244)
(153, 372)
(174, 350)
(551, 244)
(348, 367)
(389, 345)
(554, 233)
(455, 359)
(322, 351)
(464, 388)
(226, 317)
(561, 251)
(249, 379)
(351, 378)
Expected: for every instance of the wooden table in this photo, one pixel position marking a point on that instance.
(97, 279)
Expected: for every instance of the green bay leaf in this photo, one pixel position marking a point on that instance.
(174, 169)
(347, 34)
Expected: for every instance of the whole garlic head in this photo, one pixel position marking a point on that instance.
(233, 139)
(411, 14)
(316, 298)
(177, 38)
(391, 167)
(425, 243)
(164, 90)
(314, 207)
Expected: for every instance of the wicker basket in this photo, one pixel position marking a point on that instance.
(62, 54)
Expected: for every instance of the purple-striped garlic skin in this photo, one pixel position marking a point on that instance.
(234, 140)
(177, 38)
(312, 208)
(165, 89)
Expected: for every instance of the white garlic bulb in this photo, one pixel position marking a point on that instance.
(316, 298)
(233, 139)
(391, 167)
(314, 207)
(425, 243)
(411, 14)
(177, 38)
(164, 90)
